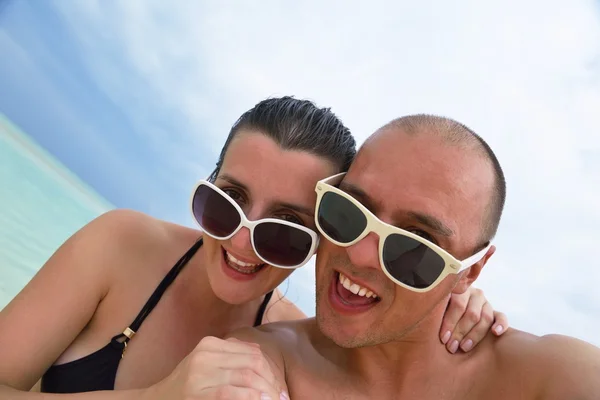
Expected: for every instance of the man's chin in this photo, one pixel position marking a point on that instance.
(339, 334)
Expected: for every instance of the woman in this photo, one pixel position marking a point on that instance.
(97, 282)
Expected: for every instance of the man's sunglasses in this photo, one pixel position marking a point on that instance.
(276, 242)
(407, 259)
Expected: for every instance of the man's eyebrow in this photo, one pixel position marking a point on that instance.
(432, 223)
(428, 220)
(295, 207)
(359, 195)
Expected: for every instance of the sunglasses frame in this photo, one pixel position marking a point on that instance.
(245, 222)
(383, 230)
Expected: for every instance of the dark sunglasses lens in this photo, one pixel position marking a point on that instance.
(215, 214)
(339, 219)
(411, 262)
(281, 244)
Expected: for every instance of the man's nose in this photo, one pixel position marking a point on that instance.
(365, 253)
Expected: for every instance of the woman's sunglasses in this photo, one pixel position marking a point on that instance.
(276, 242)
(407, 259)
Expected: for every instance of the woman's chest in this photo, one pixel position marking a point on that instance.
(166, 337)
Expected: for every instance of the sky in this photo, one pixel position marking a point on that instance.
(137, 97)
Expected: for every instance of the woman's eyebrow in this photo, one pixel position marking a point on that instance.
(233, 181)
(295, 207)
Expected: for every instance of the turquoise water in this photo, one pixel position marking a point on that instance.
(41, 204)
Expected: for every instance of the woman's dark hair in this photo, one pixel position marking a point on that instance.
(297, 125)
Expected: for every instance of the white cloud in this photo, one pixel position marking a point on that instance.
(526, 75)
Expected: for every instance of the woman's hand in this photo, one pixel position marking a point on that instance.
(220, 369)
(468, 319)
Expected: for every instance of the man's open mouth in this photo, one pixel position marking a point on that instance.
(350, 297)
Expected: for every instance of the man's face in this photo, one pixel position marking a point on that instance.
(417, 183)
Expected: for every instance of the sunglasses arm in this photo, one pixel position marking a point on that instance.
(474, 259)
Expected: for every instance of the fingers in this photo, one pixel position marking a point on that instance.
(236, 340)
(246, 378)
(456, 309)
(232, 362)
(475, 312)
(230, 392)
(231, 345)
(238, 393)
(224, 369)
(238, 369)
(500, 323)
(480, 330)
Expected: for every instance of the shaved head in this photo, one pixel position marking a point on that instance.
(426, 175)
(454, 133)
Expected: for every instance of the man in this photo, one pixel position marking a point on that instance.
(382, 291)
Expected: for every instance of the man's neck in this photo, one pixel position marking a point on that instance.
(414, 358)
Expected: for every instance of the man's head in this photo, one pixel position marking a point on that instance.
(430, 176)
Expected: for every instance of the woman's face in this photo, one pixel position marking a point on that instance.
(267, 182)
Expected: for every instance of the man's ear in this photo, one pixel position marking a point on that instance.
(468, 276)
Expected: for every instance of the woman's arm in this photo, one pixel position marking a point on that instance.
(40, 323)
(468, 319)
(7, 392)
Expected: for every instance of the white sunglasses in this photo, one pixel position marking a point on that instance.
(407, 259)
(280, 243)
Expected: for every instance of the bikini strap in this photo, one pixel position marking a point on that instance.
(262, 308)
(130, 331)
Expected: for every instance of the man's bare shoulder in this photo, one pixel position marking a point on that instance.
(277, 335)
(280, 339)
(277, 339)
(558, 366)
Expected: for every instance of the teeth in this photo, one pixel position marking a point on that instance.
(355, 288)
(238, 262)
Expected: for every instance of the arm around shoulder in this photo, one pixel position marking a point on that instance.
(268, 346)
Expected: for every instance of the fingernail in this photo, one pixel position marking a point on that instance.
(467, 345)
(264, 396)
(283, 396)
(454, 346)
(446, 337)
(498, 329)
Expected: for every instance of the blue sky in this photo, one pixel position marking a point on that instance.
(51, 94)
(136, 97)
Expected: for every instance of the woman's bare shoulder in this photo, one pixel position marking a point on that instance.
(281, 308)
(131, 228)
(126, 236)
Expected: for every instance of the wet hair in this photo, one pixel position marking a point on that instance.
(455, 133)
(296, 125)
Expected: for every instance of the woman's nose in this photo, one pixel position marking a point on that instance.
(241, 241)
